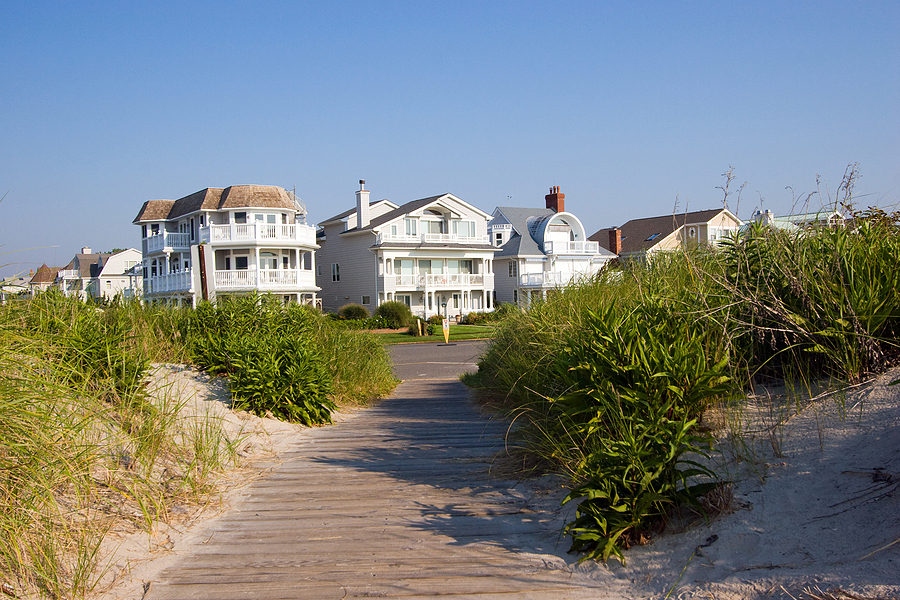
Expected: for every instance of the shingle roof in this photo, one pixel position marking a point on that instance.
(398, 212)
(521, 243)
(351, 211)
(45, 274)
(235, 196)
(636, 233)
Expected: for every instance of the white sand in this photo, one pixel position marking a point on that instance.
(803, 523)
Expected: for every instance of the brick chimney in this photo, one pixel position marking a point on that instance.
(615, 241)
(555, 200)
(362, 206)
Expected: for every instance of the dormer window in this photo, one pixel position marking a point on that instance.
(652, 237)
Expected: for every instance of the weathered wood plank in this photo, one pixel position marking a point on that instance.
(396, 501)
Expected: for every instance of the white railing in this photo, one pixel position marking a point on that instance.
(432, 238)
(170, 282)
(68, 274)
(548, 279)
(160, 241)
(264, 279)
(258, 232)
(571, 247)
(438, 280)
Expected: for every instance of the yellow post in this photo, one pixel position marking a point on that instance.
(446, 324)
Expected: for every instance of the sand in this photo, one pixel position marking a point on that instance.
(814, 510)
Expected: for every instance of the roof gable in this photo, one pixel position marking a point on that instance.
(640, 235)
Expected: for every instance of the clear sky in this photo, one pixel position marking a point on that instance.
(626, 106)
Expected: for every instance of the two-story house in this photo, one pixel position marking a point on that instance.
(640, 238)
(100, 274)
(541, 249)
(235, 240)
(426, 253)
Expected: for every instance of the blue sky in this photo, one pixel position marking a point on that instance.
(626, 106)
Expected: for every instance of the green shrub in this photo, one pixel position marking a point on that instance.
(353, 311)
(395, 314)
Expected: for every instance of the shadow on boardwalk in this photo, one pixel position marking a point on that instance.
(396, 501)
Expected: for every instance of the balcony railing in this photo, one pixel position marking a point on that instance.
(265, 279)
(431, 238)
(169, 282)
(160, 241)
(438, 280)
(549, 279)
(551, 247)
(258, 232)
(68, 274)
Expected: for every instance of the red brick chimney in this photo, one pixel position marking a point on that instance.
(615, 241)
(555, 200)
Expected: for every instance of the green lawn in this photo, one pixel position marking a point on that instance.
(457, 333)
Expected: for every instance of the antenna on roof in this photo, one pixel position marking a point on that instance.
(300, 217)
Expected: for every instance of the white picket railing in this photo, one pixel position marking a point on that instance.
(264, 279)
(433, 238)
(258, 232)
(169, 282)
(552, 247)
(439, 280)
(160, 241)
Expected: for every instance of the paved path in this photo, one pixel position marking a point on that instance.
(396, 501)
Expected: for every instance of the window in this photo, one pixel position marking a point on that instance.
(154, 229)
(513, 269)
(366, 300)
(268, 260)
(335, 272)
(202, 220)
(227, 263)
(259, 218)
(410, 226)
(271, 219)
(318, 270)
(393, 230)
(240, 217)
(464, 229)
(240, 263)
(498, 239)
(143, 231)
(284, 262)
(433, 227)
(284, 218)
(652, 237)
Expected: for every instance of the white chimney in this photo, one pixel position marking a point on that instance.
(362, 205)
(86, 250)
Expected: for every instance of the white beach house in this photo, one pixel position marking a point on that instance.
(541, 249)
(426, 253)
(235, 240)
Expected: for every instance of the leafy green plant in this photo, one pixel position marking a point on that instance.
(353, 311)
(395, 314)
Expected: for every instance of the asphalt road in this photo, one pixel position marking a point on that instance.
(435, 361)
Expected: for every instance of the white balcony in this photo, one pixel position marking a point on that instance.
(169, 282)
(551, 247)
(160, 242)
(252, 233)
(265, 279)
(68, 274)
(431, 238)
(548, 279)
(437, 281)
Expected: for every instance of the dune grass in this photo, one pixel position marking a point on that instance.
(610, 381)
(86, 446)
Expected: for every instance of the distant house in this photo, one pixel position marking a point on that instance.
(100, 275)
(222, 241)
(43, 279)
(426, 253)
(640, 238)
(15, 286)
(798, 221)
(541, 249)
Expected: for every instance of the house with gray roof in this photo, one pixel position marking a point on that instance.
(427, 253)
(100, 274)
(221, 241)
(540, 250)
(640, 238)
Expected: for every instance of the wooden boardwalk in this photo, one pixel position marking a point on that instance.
(396, 502)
